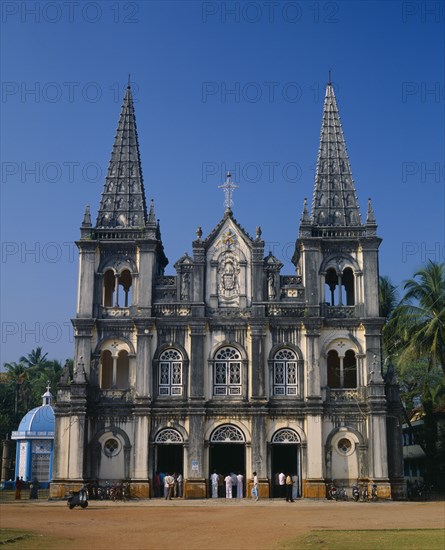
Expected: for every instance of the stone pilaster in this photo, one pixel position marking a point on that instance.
(258, 360)
(197, 361)
(144, 368)
(85, 290)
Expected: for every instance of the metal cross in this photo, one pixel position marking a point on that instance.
(229, 187)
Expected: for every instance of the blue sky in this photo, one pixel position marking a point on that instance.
(235, 85)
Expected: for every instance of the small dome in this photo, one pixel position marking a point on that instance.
(40, 419)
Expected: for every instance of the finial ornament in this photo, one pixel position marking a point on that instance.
(305, 215)
(329, 79)
(258, 233)
(229, 187)
(129, 82)
(199, 232)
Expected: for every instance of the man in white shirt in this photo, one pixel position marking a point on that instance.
(239, 485)
(169, 483)
(228, 480)
(214, 480)
(282, 484)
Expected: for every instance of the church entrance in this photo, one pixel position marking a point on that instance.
(285, 458)
(170, 459)
(227, 455)
(169, 453)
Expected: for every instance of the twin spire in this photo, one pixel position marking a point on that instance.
(334, 202)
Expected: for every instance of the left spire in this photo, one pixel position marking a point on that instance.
(122, 203)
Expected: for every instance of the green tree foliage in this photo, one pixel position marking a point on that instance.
(22, 385)
(414, 340)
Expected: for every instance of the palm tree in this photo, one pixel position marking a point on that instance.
(17, 375)
(420, 317)
(388, 298)
(36, 358)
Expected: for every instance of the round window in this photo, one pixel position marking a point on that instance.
(344, 445)
(111, 447)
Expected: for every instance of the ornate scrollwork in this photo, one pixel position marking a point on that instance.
(285, 436)
(227, 434)
(169, 436)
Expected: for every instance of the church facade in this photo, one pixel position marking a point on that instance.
(228, 365)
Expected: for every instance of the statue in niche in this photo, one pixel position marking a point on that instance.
(271, 286)
(110, 187)
(185, 286)
(121, 188)
(335, 200)
(228, 280)
(119, 203)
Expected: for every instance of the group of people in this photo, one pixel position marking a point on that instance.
(168, 485)
(286, 486)
(230, 486)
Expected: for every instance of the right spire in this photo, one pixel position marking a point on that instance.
(335, 201)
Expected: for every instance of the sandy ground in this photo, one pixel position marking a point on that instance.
(184, 525)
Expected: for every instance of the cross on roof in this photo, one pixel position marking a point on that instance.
(229, 187)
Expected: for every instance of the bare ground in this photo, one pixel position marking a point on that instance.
(216, 525)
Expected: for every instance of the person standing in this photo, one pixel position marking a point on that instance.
(295, 486)
(282, 483)
(162, 480)
(234, 482)
(18, 488)
(228, 480)
(180, 482)
(255, 488)
(289, 484)
(157, 484)
(220, 485)
(214, 478)
(239, 485)
(169, 483)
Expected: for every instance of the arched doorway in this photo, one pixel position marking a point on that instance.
(285, 457)
(227, 452)
(169, 452)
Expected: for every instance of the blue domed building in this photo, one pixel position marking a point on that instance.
(35, 443)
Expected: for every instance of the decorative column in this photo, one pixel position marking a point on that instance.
(85, 289)
(259, 453)
(197, 361)
(258, 360)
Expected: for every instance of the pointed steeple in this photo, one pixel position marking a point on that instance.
(123, 199)
(335, 200)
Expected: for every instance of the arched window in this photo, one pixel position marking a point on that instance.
(331, 281)
(109, 285)
(350, 369)
(122, 370)
(285, 436)
(333, 369)
(335, 282)
(115, 370)
(169, 436)
(112, 284)
(342, 370)
(285, 373)
(106, 369)
(227, 372)
(170, 373)
(348, 283)
(125, 281)
(227, 434)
